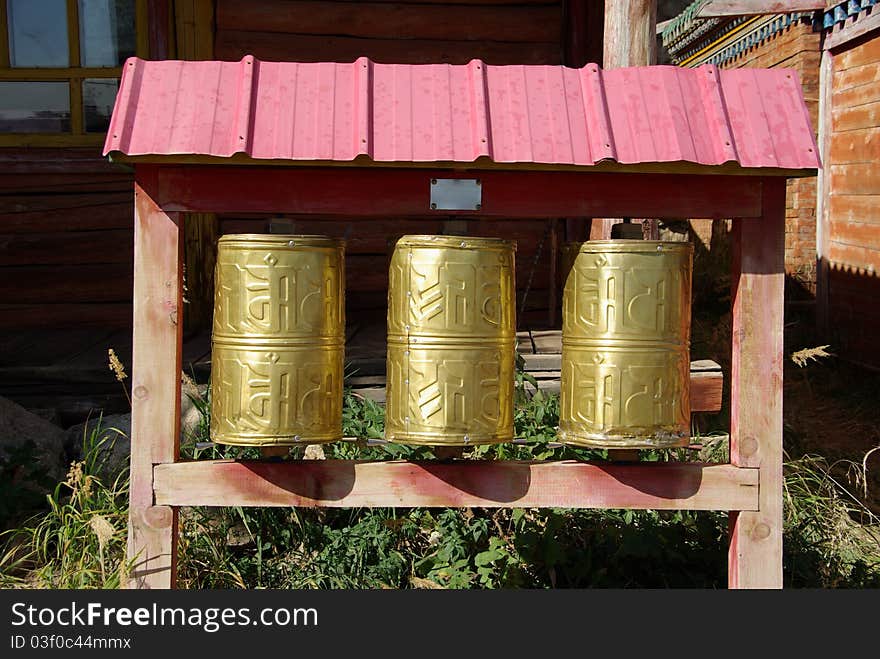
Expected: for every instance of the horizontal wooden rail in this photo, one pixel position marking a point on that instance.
(489, 484)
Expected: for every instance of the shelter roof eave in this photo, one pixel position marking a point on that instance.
(672, 168)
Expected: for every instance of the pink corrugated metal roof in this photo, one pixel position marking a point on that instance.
(458, 113)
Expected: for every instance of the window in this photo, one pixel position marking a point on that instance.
(60, 62)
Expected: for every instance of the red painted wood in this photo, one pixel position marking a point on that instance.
(758, 280)
(155, 383)
(493, 484)
(406, 192)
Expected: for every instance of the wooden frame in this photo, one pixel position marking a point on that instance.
(750, 487)
(74, 74)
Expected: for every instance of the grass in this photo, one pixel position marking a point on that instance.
(831, 537)
(79, 542)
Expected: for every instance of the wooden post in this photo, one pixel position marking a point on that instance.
(582, 25)
(758, 278)
(630, 33)
(630, 39)
(823, 194)
(155, 400)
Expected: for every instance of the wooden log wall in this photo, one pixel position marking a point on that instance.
(853, 217)
(66, 239)
(407, 32)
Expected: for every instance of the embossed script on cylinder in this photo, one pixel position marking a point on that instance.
(625, 345)
(278, 340)
(451, 341)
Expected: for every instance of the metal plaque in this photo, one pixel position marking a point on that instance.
(456, 194)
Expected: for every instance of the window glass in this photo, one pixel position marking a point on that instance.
(99, 95)
(106, 31)
(34, 107)
(37, 33)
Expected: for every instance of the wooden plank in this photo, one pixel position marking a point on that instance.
(506, 194)
(102, 282)
(55, 183)
(719, 8)
(583, 27)
(112, 215)
(36, 201)
(66, 247)
(855, 179)
(855, 208)
(860, 116)
(159, 29)
(823, 190)
(851, 97)
(866, 74)
(489, 484)
(865, 235)
(863, 53)
(853, 257)
(855, 27)
(155, 384)
(513, 23)
(630, 37)
(758, 282)
(856, 146)
(60, 315)
(271, 46)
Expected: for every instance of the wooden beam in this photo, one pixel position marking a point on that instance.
(160, 44)
(852, 28)
(718, 8)
(630, 39)
(583, 24)
(491, 484)
(755, 553)
(405, 192)
(823, 195)
(155, 383)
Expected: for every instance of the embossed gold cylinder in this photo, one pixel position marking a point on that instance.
(278, 340)
(625, 380)
(451, 341)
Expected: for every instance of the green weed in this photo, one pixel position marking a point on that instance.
(80, 542)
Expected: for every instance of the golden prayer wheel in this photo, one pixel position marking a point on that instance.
(278, 340)
(451, 341)
(625, 379)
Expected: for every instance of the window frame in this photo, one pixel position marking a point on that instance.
(73, 74)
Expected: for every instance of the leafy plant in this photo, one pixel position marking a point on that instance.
(80, 542)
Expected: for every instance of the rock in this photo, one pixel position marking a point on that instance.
(110, 434)
(50, 414)
(191, 420)
(18, 427)
(314, 452)
(115, 432)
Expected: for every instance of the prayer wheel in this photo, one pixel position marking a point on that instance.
(278, 340)
(451, 341)
(625, 380)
